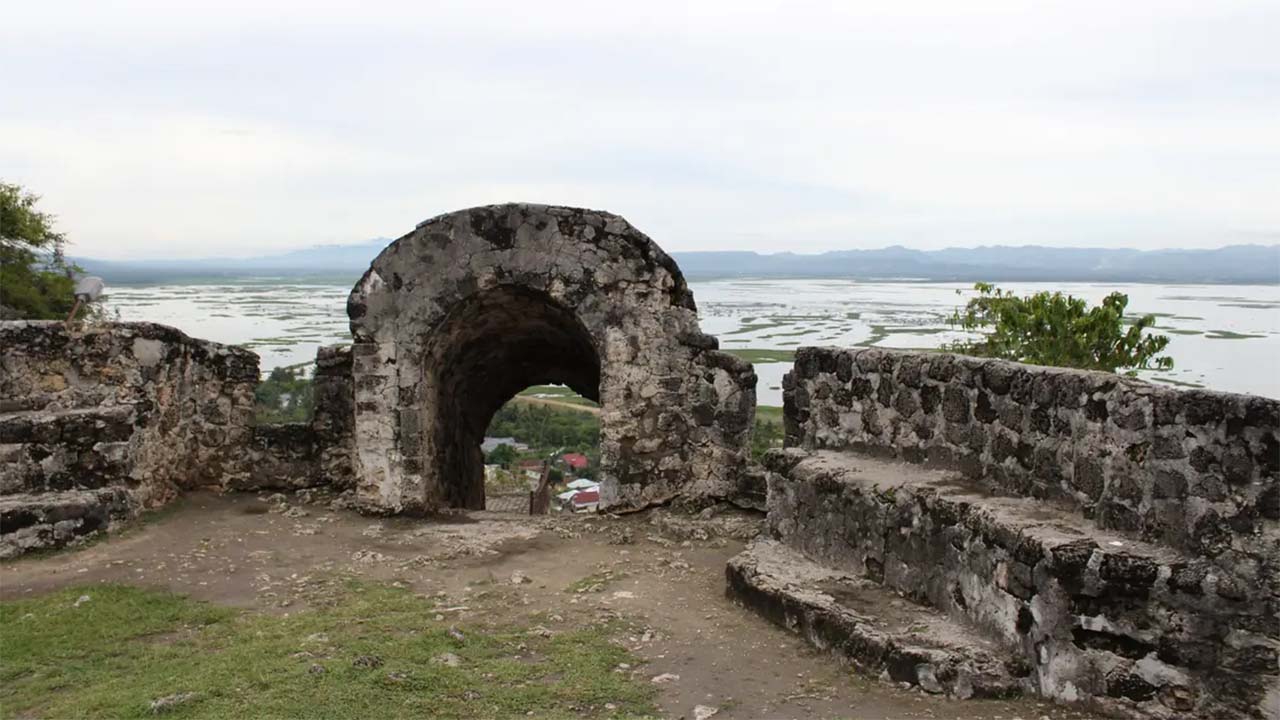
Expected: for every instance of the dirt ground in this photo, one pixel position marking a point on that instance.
(660, 572)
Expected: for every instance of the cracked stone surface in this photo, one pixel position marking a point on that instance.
(471, 307)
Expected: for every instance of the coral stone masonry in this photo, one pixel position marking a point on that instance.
(1191, 469)
(1118, 541)
(96, 423)
(449, 322)
(457, 316)
(969, 527)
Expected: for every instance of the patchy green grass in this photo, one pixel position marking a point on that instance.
(595, 582)
(556, 391)
(559, 393)
(369, 654)
(763, 355)
(769, 413)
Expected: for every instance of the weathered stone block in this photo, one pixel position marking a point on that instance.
(955, 405)
(1091, 614)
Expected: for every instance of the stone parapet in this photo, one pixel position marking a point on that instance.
(1192, 469)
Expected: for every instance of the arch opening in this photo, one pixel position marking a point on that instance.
(488, 348)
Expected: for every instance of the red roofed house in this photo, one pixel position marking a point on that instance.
(532, 468)
(577, 461)
(585, 500)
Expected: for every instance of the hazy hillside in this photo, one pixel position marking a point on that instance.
(1232, 264)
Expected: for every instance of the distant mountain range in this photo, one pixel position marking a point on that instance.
(1239, 264)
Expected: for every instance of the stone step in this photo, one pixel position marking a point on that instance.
(49, 520)
(881, 632)
(35, 468)
(46, 451)
(1136, 627)
(34, 401)
(75, 426)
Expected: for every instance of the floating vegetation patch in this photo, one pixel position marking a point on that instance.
(1173, 381)
(763, 355)
(1229, 335)
(276, 341)
(878, 333)
(915, 330)
(1207, 298)
(1254, 305)
(800, 318)
(753, 327)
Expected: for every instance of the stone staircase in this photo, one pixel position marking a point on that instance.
(903, 538)
(882, 633)
(64, 473)
(1075, 612)
(99, 421)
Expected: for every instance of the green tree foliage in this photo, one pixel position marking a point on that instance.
(768, 435)
(286, 396)
(503, 456)
(1055, 329)
(593, 464)
(546, 429)
(36, 282)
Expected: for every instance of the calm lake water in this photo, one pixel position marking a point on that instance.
(1224, 337)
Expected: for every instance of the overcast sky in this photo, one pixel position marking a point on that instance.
(163, 129)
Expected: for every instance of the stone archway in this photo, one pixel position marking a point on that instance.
(491, 346)
(471, 307)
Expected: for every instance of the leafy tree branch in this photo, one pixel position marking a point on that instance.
(1050, 328)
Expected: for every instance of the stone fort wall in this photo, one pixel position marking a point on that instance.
(99, 422)
(1117, 540)
(1193, 469)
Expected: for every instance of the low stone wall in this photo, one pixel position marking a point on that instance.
(284, 457)
(1193, 469)
(180, 406)
(1119, 538)
(316, 453)
(97, 422)
(333, 423)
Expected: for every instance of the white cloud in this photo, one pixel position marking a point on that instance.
(162, 129)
